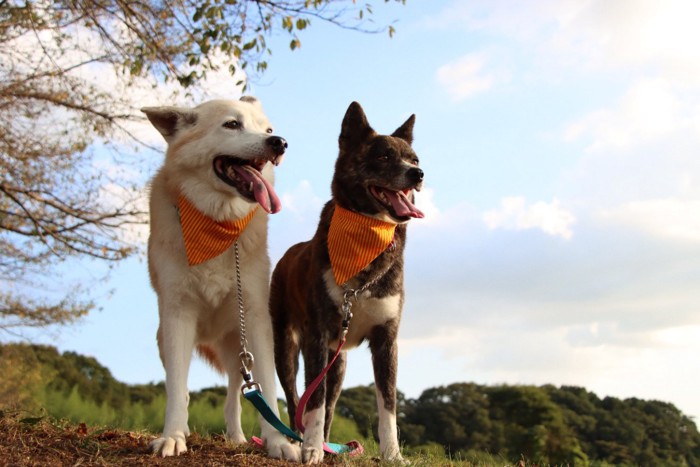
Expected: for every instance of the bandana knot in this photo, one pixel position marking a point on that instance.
(354, 241)
(204, 237)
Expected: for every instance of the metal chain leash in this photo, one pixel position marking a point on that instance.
(247, 359)
(348, 295)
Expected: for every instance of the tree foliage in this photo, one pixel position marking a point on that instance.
(68, 74)
(544, 425)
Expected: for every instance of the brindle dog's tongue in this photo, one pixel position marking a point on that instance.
(402, 205)
(262, 189)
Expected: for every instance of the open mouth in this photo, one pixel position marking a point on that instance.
(246, 177)
(397, 203)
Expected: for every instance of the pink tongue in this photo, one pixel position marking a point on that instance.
(262, 190)
(402, 205)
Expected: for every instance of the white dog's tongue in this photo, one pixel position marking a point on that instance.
(264, 193)
(402, 205)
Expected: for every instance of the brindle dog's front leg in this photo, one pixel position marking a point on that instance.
(382, 343)
(315, 360)
(334, 384)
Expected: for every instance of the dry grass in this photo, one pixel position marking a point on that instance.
(46, 442)
(43, 441)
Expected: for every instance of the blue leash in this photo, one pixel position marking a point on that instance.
(257, 399)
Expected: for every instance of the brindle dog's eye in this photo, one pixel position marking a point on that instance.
(232, 125)
(385, 156)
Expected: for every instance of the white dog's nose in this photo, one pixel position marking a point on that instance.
(278, 144)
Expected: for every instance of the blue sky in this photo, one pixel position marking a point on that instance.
(562, 238)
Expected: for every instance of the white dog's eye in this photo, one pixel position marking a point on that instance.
(269, 130)
(232, 125)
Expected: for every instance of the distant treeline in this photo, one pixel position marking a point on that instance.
(547, 425)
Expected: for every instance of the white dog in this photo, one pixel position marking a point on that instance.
(210, 198)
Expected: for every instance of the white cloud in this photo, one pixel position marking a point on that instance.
(426, 203)
(627, 33)
(466, 76)
(649, 110)
(514, 214)
(673, 218)
(302, 201)
(594, 34)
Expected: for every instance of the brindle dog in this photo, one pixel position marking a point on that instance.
(375, 177)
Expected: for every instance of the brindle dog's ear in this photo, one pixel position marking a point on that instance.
(355, 128)
(168, 120)
(405, 131)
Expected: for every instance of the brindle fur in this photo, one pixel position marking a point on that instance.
(305, 301)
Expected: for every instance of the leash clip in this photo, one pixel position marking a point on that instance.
(346, 309)
(250, 386)
(247, 362)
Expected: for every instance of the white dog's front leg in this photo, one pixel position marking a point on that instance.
(232, 408)
(262, 346)
(176, 338)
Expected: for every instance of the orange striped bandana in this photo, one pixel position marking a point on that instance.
(354, 241)
(204, 237)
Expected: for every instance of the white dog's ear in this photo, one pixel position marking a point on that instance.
(405, 131)
(169, 120)
(251, 100)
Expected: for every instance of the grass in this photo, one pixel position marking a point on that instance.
(44, 441)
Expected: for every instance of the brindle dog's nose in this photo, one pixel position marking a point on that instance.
(278, 144)
(416, 175)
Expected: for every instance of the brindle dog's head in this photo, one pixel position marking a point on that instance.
(376, 174)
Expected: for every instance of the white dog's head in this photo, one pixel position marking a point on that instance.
(220, 151)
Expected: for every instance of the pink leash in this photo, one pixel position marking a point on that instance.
(352, 448)
(312, 387)
(356, 447)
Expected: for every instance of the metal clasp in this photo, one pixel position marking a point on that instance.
(247, 362)
(346, 308)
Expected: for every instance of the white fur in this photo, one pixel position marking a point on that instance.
(388, 433)
(197, 305)
(367, 312)
(312, 452)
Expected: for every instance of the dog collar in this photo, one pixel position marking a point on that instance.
(354, 241)
(204, 237)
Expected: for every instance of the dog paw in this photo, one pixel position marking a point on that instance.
(172, 445)
(235, 438)
(395, 457)
(279, 447)
(312, 455)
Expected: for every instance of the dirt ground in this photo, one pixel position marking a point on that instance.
(44, 442)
